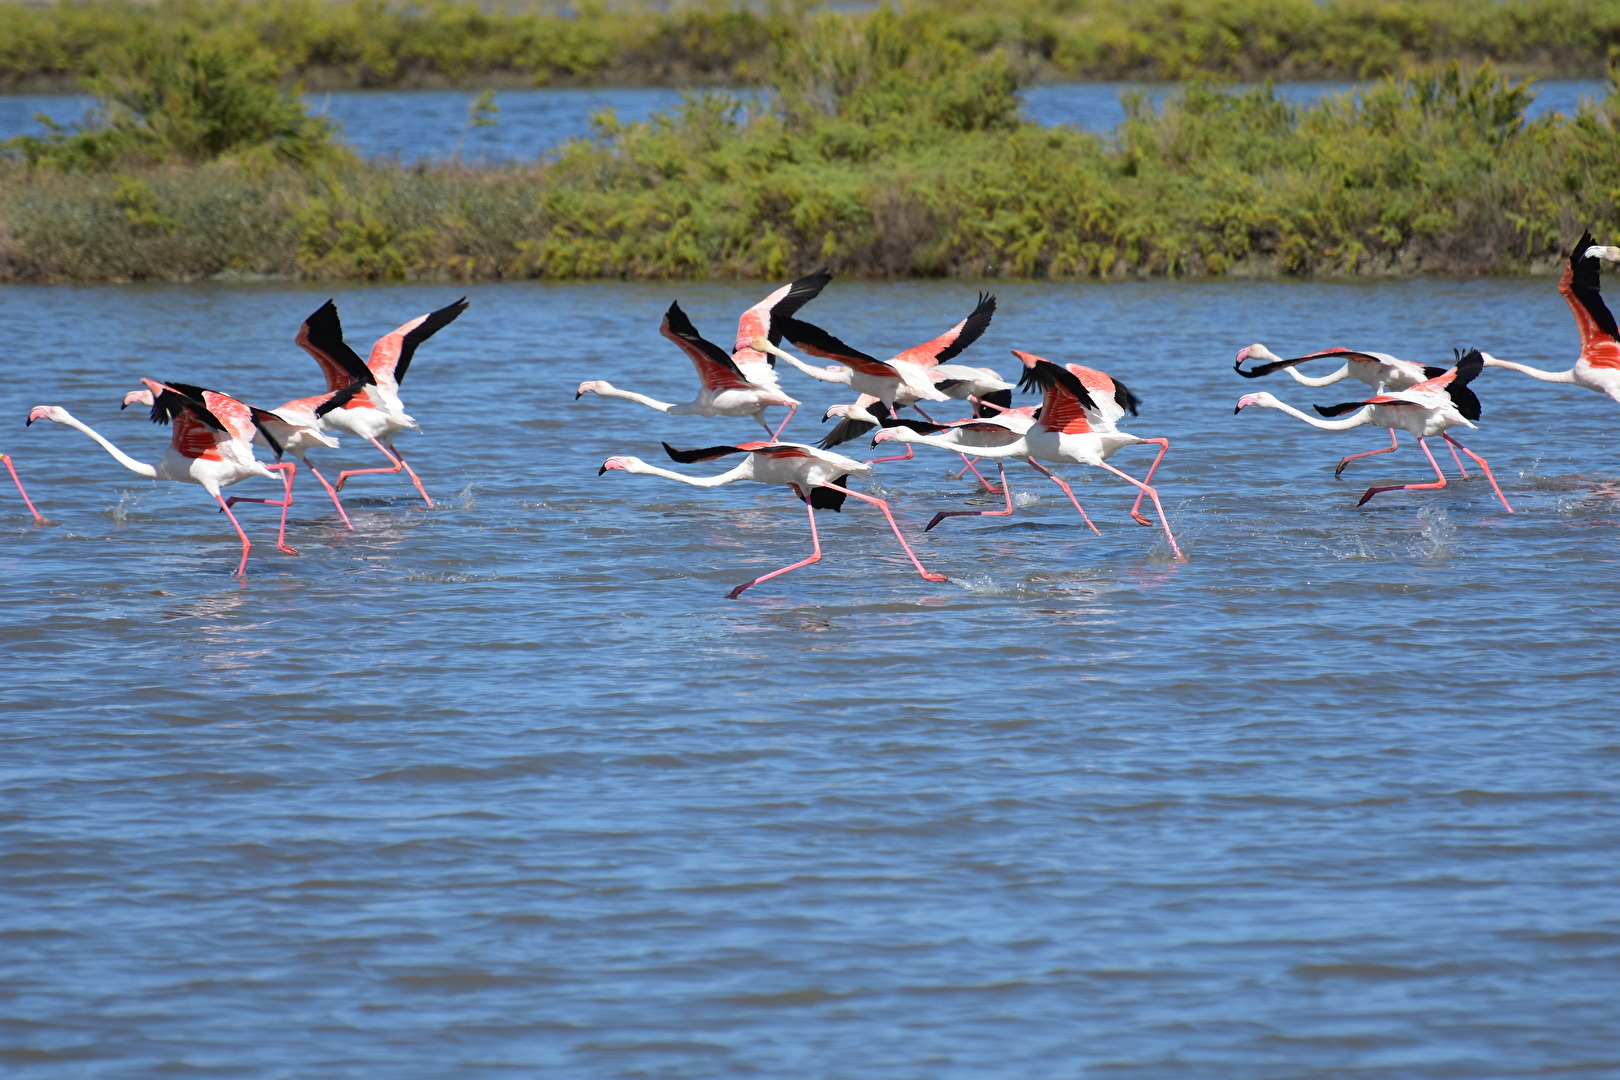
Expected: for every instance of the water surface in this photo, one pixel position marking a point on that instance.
(508, 786)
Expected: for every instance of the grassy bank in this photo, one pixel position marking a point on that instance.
(342, 43)
(889, 149)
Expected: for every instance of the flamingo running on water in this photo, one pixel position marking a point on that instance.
(374, 413)
(1425, 410)
(741, 384)
(816, 476)
(867, 412)
(294, 429)
(38, 518)
(1078, 422)
(726, 391)
(211, 444)
(1598, 366)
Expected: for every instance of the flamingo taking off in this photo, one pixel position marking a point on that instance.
(896, 382)
(375, 412)
(211, 444)
(1598, 366)
(1078, 422)
(294, 429)
(740, 384)
(816, 476)
(725, 390)
(38, 519)
(1425, 410)
(1380, 371)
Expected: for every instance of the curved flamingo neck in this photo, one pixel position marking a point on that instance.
(835, 373)
(118, 455)
(1360, 418)
(1534, 373)
(607, 389)
(1321, 380)
(744, 471)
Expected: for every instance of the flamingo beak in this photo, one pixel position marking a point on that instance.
(38, 412)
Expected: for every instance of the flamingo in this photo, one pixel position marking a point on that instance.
(38, 518)
(374, 413)
(1380, 371)
(816, 476)
(1598, 366)
(741, 384)
(211, 444)
(1424, 410)
(895, 382)
(867, 412)
(294, 428)
(726, 391)
(1078, 422)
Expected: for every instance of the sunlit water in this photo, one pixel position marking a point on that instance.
(414, 125)
(509, 788)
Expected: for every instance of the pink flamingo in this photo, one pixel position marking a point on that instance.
(816, 476)
(1598, 366)
(1078, 422)
(211, 444)
(292, 429)
(374, 413)
(38, 519)
(1424, 410)
(726, 389)
(741, 384)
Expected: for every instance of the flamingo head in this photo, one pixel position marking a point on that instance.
(137, 397)
(46, 412)
(1607, 254)
(1256, 351)
(884, 435)
(1262, 399)
(840, 411)
(761, 344)
(592, 386)
(615, 463)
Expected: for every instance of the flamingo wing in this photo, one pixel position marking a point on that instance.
(336, 401)
(1582, 290)
(707, 453)
(1067, 399)
(817, 342)
(952, 342)
(1453, 382)
(321, 335)
(716, 370)
(392, 353)
(845, 430)
(760, 320)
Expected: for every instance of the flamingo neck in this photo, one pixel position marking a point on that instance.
(609, 390)
(1320, 380)
(1534, 373)
(835, 373)
(122, 458)
(1359, 419)
(745, 471)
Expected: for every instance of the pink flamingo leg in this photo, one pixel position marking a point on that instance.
(815, 540)
(987, 485)
(883, 506)
(26, 500)
(943, 514)
(1440, 479)
(1481, 462)
(335, 500)
(1453, 447)
(241, 571)
(1136, 508)
(1154, 495)
(907, 456)
(777, 434)
(289, 470)
(1394, 444)
(399, 463)
(1067, 490)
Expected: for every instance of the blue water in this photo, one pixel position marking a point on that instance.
(413, 125)
(509, 788)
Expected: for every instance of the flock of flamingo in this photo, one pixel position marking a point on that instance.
(1075, 422)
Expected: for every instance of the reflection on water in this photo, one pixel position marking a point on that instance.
(509, 787)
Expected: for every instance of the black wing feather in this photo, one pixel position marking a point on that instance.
(1468, 369)
(800, 293)
(1046, 374)
(1126, 399)
(339, 399)
(1587, 287)
(431, 325)
(708, 453)
(977, 324)
(326, 334)
(994, 397)
(810, 336)
(259, 417)
(682, 327)
(1340, 409)
(822, 498)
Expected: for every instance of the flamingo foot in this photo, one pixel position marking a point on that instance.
(1141, 519)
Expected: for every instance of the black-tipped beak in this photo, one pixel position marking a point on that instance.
(124, 406)
(602, 470)
(28, 422)
(579, 395)
(1237, 410)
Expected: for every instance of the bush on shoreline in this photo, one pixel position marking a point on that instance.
(887, 149)
(333, 44)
